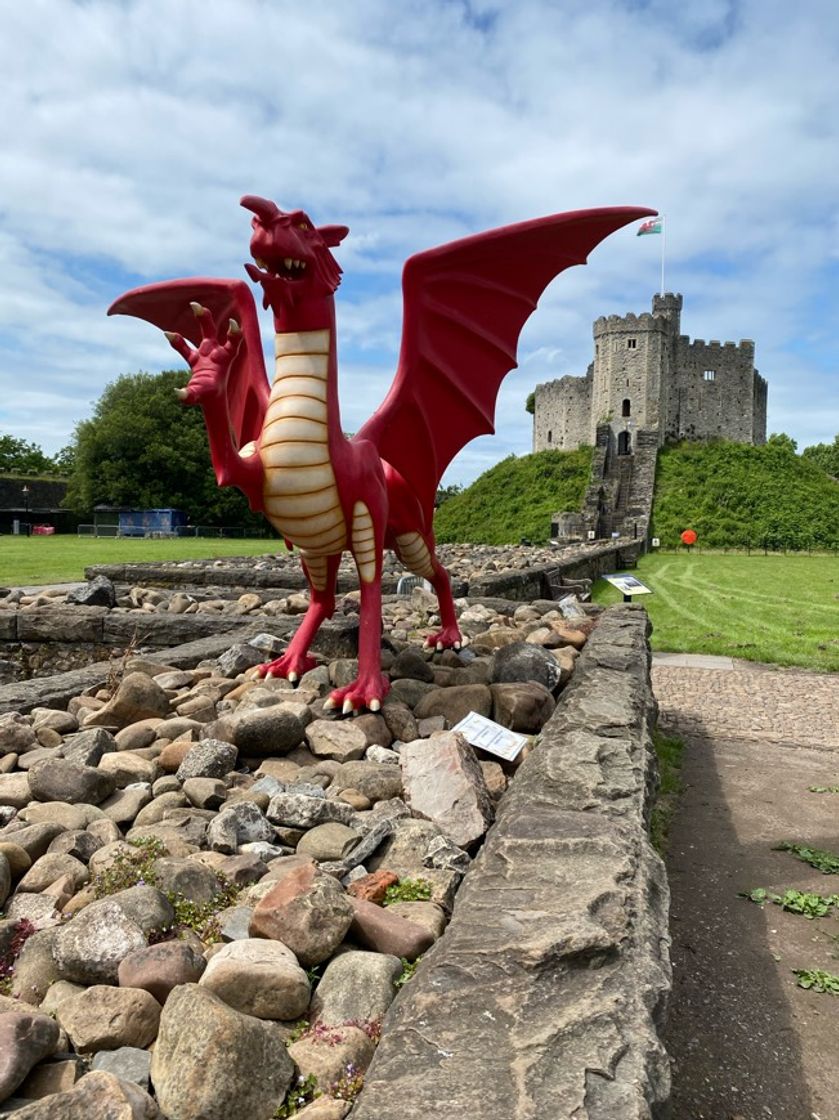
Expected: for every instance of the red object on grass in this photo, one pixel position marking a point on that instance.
(688, 537)
(283, 446)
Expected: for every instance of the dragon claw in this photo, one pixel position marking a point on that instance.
(233, 327)
(367, 691)
(375, 705)
(348, 707)
(329, 705)
(448, 638)
(197, 309)
(292, 677)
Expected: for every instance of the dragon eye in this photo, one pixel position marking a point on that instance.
(303, 225)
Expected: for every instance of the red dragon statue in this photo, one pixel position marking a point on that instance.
(282, 445)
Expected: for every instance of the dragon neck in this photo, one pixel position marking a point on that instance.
(309, 329)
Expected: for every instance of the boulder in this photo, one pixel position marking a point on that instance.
(444, 783)
(258, 977)
(59, 779)
(301, 810)
(264, 732)
(355, 986)
(137, 697)
(213, 1063)
(211, 758)
(523, 706)
(87, 747)
(339, 741)
(378, 781)
(328, 841)
(25, 1038)
(455, 703)
(99, 592)
(88, 950)
(522, 661)
(240, 823)
(104, 1018)
(308, 911)
(128, 1063)
(328, 1054)
(377, 928)
(97, 1096)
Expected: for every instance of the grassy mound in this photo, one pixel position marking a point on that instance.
(734, 495)
(516, 498)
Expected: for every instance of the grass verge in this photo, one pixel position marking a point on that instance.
(778, 609)
(26, 561)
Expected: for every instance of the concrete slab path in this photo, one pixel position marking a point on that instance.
(747, 1043)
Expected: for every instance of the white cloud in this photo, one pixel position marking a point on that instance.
(130, 129)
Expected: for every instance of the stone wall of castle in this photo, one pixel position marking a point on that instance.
(647, 376)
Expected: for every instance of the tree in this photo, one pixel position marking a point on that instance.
(530, 404)
(142, 449)
(825, 456)
(783, 441)
(19, 456)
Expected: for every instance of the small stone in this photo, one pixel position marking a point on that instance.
(373, 887)
(298, 810)
(263, 732)
(87, 747)
(158, 969)
(523, 706)
(58, 779)
(455, 703)
(426, 914)
(355, 986)
(378, 929)
(96, 1096)
(137, 697)
(378, 781)
(99, 592)
(341, 742)
(521, 661)
(128, 1063)
(326, 1055)
(205, 793)
(356, 799)
(328, 841)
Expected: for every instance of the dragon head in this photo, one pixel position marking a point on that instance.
(293, 261)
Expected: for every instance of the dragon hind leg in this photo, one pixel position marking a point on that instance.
(321, 573)
(418, 556)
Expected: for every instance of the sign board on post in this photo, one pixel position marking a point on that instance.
(628, 585)
(655, 542)
(490, 736)
(591, 534)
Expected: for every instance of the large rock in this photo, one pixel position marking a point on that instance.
(377, 928)
(99, 592)
(50, 867)
(89, 949)
(258, 977)
(211, 758)
(378, 781)
(97, 1096)
(355, 985)
(87, 747)
(25, 1038)
(453, 704)
(308, 911)
(105, 1018)
(213, 1063)
(242, 823)
(300, 810)
(328, 841)
(523, 706)
(329, 1055)
(138, 697)
(523, 661)
(58, 779)
(444, 783)
(264, 732)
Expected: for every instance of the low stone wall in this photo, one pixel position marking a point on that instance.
(543, 581)
(546, 996)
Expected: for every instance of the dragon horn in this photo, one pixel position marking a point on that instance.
(264, 209)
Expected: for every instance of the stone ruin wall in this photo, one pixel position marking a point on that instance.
(731, 405)
(562, 417)
(553, 1006)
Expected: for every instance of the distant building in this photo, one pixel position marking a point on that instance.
(646, 376)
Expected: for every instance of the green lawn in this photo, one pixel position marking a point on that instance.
(781, 609)
(60, 559)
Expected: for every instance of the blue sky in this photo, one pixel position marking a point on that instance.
(129, 131)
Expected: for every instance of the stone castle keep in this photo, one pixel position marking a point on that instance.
(647, 376)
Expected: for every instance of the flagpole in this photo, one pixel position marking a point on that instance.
(663, 243)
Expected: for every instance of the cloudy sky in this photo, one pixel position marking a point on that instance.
(130, 129)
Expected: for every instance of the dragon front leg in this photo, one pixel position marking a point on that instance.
(210, 365)
(295, 661)
(370, 686)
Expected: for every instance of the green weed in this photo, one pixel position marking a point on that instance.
(826, 862)
(817, 980)
(408, 890)
(806, 903)
(668, 751)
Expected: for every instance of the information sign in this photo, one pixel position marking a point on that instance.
(490, 736)
(628, 584)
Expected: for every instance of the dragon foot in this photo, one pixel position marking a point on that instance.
(291, 666)
(367, 691)
(447, 638)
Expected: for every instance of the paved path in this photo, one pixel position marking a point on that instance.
(746, 1042)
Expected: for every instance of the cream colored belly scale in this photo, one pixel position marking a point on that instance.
(300, 491)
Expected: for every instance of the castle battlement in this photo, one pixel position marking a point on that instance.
(648, 376)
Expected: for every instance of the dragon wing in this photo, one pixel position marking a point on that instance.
(465, 304)
(166, 305)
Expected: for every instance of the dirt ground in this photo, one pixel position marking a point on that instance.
(746, 1042)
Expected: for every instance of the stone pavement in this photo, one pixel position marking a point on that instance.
(746, 1042)
(742, 700)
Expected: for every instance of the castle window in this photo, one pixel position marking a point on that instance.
(710, 375)
(550, 435)
(625, 407)
(632, 344)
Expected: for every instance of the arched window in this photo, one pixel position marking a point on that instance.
(625, 407)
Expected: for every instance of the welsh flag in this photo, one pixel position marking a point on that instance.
(652, 225)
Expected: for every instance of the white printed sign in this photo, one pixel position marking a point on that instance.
(490, 736)
(628, 584)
